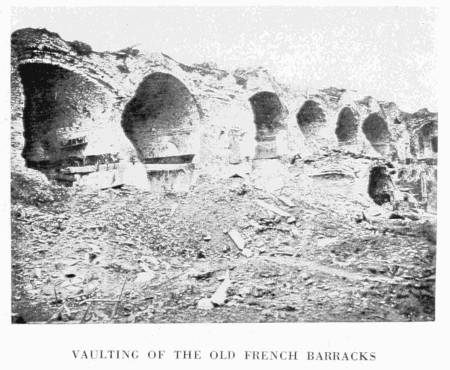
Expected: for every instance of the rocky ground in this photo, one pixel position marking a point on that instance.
(228, 251)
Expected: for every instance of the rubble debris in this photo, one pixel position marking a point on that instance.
(17, 319)
(247, 252)
(63, 314)
(119, 300)
(237, 239)
(241, 189)
(205, 304)
(220, 295)
(286, 201)
(403, 215)
(291, 220)
(201, 274)
(141, 239)
(201, 255)
(272, 208)
(144, 277)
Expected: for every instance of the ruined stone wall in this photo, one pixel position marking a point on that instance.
(17, 105)
(115, 101)
(60, 106)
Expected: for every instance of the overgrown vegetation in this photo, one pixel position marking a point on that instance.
(81, 48)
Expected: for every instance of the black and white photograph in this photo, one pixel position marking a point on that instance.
(223, 165)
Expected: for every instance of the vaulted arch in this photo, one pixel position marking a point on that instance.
(381, 187)
(269, 115)
(376, 130)
(428, 139)
(162, 119)
(347, 126)
(61, 107)
(311, 118)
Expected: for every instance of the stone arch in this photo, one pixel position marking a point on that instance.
(381, 187)
(61, 108)
(347, 126)
(162, 120)
(427, 138)
(269, 115)
(311, 118)
(376, 130)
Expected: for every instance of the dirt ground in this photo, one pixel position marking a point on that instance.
(125, 255)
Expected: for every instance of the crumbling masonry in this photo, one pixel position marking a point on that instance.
(86, 117)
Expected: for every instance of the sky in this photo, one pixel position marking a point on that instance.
(389, 53)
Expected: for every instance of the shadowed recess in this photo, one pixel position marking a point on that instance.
(60, 107)
(311, 117)
(347, 126)
(428, 139)
(269, 114)
(162, 118)
(376, 130)
(381, 187)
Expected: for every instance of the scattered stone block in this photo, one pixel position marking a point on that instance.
(237, 239)
(271, 208)
(286, 201)
(219, 297)
(205, 304)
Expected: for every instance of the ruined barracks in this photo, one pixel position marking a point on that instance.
(104, 119)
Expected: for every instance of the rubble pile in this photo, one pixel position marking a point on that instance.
(197, 194)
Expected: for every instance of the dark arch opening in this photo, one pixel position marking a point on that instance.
(434, 144)
(161, 120)
(381, 186)
(59, 109)
(347, 126)
(377, 132)
(427, 138)
(269, 114)
(310, 118)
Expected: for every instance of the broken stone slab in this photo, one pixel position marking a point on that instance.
(220, 295)
(244, 291)
(291, 220)
(63, 314)
(144, 277)
(334, 173)
(201, 274)
(404, 215)
(286, 201)
(237, 239)
(260, 291)
(323, 242)
(305, 276)
(271, 208)
(246, 252)
(205, 304)
(81, 169)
